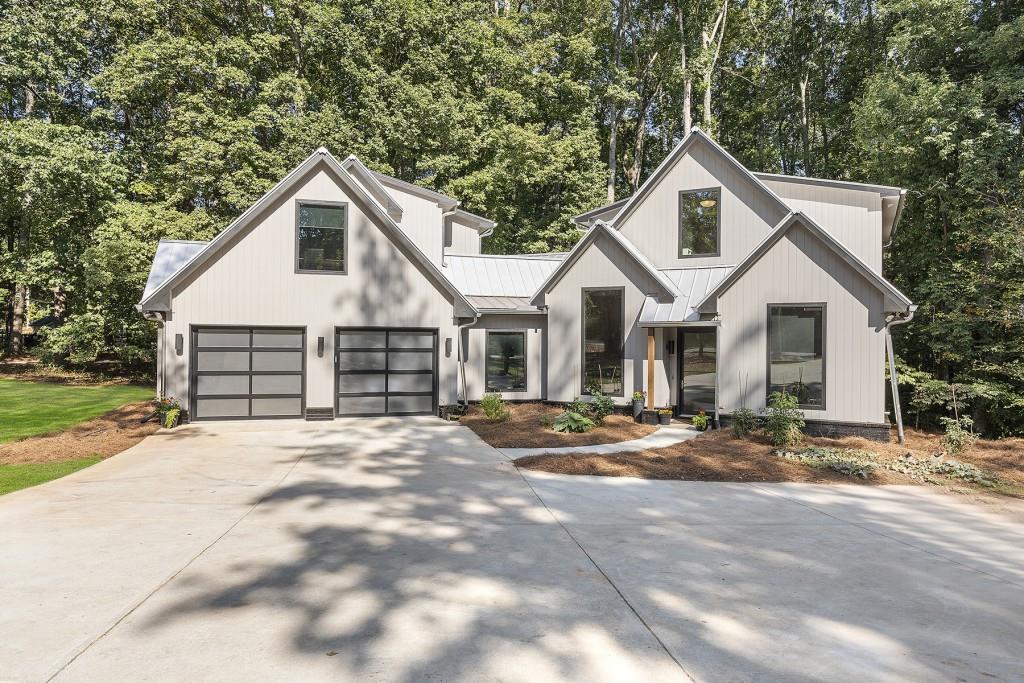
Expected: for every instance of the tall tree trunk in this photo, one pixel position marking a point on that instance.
(805, 138)
(18, 313)
(613, 132)
(711, 39)
(687, 76)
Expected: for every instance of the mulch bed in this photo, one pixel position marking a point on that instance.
(719, 456)
(529, 426)
(104, 436)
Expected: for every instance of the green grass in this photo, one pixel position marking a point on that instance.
(30, 408)
(23, 475)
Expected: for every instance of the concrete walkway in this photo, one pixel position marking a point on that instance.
(668, 435)
(408, 550)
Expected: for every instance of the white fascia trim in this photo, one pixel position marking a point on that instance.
(584, 218)
(444, 201)
(474, 221)
(884, 190)
(357, 168)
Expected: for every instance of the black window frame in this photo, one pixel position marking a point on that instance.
(824, 349)
(487, 377)
(584, 391)
(718, 223)
(299, 203)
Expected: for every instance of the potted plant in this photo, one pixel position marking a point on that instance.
(700, 421)
(638, 405)
(665, 416)
(169, 411)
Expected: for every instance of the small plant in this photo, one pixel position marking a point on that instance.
(601, 407)
(570, 421)
(494, 408)
(744, 421)
(168, 409)
(664, 411)
(578, 405)
(171, 417)
(846, 461)
(783, 420)
(959, 434)
(700, 421)
(639, 396)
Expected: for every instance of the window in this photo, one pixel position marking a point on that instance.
(796, 353)
(698, 222)
(320, 238)
(603, 316)
(506, 361)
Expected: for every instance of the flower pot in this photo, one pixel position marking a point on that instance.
(638, 409)
(664, 418)
(650, 417)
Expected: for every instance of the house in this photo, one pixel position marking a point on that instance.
(347, 292)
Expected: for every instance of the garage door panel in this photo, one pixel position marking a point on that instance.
(362, 360)
(411, 383)
(411, 340)
(276, 384)
(362, 405)
(277, 361)
(410, 404)
(274, 407)
(224, 338)
(212, 361)
(361, 384)
(410, 360)
(214, 385)
(222, 407)
(277, 339)
(386, 371)
(362, 340)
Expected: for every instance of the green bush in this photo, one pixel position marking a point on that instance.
(578, 405)
(572, 422)
(744, 421)
(701, 421)
(494, 408)
(80, 339)
(783, 420)
(959, 434)
(601, 407)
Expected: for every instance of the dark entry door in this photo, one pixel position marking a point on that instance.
(698, 365)
(385, 371)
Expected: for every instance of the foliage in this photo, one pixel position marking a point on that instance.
(959, 435)
(570, 421)
(169, 409)
(79, 339)
(578, 405)
(846, 461)
(861, 463)
(743, 422)
(601, 406)
(783, 420)
(701, 421)
(171, 417)
(639, 396)
(494, 408)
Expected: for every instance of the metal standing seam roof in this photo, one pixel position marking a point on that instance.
(510, 304)
(693, 285)
(501, 276)
(170, 256)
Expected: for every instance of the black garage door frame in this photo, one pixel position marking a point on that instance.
(387, 348)
(194, 372)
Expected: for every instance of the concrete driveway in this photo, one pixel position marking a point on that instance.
(408, 550)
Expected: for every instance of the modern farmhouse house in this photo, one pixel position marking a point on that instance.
(347, 292)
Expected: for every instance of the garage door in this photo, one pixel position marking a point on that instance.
(386, 371)
(247, 372)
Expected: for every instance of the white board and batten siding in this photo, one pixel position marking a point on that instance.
(421, 221)
(253, 282)
(603, 264)
(460, 238)
(534, 327)
(800, 269)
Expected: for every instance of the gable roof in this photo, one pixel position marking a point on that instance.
(444, 201)
(169, 257)
(894, 296)
(386, 223)
(693, 284)
(696, 136)
(357, 168)
(500, 276)
(574, 254)
(587, 217)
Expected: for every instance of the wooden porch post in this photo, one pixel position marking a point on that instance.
(650, 368)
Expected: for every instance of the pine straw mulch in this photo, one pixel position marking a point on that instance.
(529, 426)
(719, 456)
(103, 436)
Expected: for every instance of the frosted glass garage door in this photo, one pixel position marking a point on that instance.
(247, 372)
(385, 371)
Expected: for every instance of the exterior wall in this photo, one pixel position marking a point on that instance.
(854, 217)
(253, 282)
(421, 221)
(461, 239)
(535, 327)
(800, 269)
(602, 264)
(747, 214)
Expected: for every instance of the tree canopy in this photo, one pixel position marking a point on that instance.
(124, 122)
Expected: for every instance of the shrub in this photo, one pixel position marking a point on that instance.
(959, 434)
(578, 405)
(601, 407)
(494, 408)
(783, 420)
(168, 408)
(572, 422)
(701, 421)
(744, 421)
(79, 340)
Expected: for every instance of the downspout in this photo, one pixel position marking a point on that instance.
(464, 401)
(159, 318)
(890, 321)
(445, 225)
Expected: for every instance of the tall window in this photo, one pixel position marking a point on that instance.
(320, 238)
(698, 222)
(506, 361)
(603, 329)
(796, 362)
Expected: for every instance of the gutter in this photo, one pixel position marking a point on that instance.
(896, 220)
(445, 228)
(464, 401)
(160, 318)
(891, 321)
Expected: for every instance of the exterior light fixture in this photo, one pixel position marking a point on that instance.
(179, 344)
(320, 347)
(708, 203)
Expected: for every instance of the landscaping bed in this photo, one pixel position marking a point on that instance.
(720, 456)
(529, 426)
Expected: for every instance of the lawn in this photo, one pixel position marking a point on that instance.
(23, 475)
(31, 408)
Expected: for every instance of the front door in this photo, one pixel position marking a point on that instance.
(698, 366)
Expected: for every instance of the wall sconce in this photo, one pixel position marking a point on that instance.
(320, 347)
(448, 347)
(670, 346)
(179, 344)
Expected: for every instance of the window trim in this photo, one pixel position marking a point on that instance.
(679, 224)
(824, 349)
(583, 338)
(526, 373)
(299, 203)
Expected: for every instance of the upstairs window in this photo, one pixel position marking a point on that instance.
(796, 353)
(699, 222)
(320, 240)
